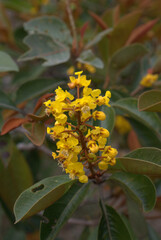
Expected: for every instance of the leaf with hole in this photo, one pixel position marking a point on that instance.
(40, 196)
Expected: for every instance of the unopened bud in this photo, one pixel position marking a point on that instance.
(99, 115)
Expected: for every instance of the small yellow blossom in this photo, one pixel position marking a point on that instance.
(83, 179)
(70, 70)
(103, 165)
(148, 80)
(122, 125)
(99, 115)
(80, 146)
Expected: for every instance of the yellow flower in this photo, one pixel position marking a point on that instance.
(80, 81)
(148, 80)
(99, 115)
(75, 170)
(103, 165)
(70, 70)
(90, 68)
(61, 119)
(80, 145)
(122, 125)
(83, 179)
(93, 146)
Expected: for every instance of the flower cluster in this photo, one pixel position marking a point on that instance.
(148, 80)
(82, 150)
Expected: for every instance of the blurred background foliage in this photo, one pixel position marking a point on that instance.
(116, 43)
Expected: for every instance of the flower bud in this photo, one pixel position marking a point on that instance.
(112, 162)
(92, 157)
(104, 133)
(103, 165)
(71, 85)
(83, 179)
(99, 115)
(93, 146)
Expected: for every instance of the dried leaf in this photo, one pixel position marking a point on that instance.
(12, 123)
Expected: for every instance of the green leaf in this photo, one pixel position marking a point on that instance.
(98, 38)
(129, 106)
(88, 57)
(150, 101)
(137, 219)
(28, 73)
(142, 161)
(15, 175)
(6, 103)
(69, 210)
(36, 88)
(6, 63)
(123, 57)
(112, 226)
(110, 118)
(50, 26)
(129, 227)
(138, 187)
(37, 133)
(152, 234)
(54, 212)
(43, 47)
(12, 233)
(40, 196)
(123, 30)
(146, 136)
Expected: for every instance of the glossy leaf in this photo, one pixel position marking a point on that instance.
(40, 196)
(111, 226)
(6, 63)
(54, 212)
(98, 38)
(124, 57)
(129, 106)
(146, 136)
(15, 175)
(88, 57)
(6, 103)
(142, 161)
(43, 47)
(137, 187)
(150, 101)
(35, 88)
(69, 210)
(36, 132)
(50, 26)
(122, 31)
(12, 124)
